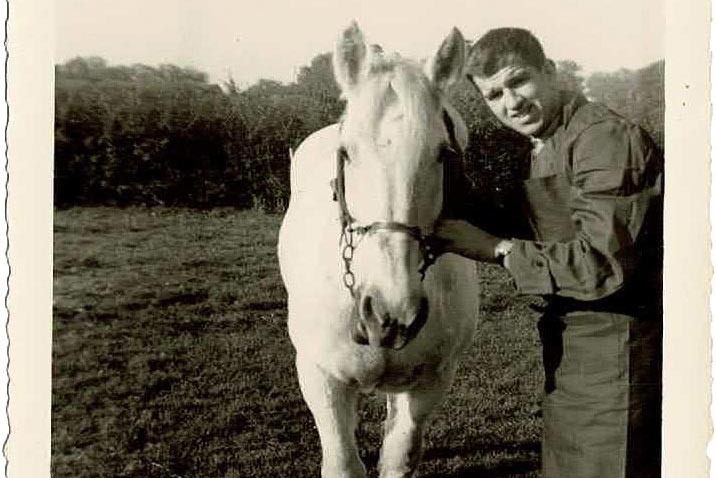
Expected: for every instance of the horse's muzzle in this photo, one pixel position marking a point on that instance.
(378, 327)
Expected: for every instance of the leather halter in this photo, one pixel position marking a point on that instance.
(349, 229)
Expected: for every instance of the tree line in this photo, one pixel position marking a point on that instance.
(165, 135)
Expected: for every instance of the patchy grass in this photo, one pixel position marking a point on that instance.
(171, 359)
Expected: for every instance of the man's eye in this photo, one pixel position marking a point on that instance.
(519, 80)
(494, 96)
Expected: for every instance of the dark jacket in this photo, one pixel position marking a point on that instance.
(594, 200)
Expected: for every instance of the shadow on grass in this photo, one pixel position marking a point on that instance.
(482, 449)
(512, 467)
(521, 468)
(265, 305)
(516, 467)
(184, 298)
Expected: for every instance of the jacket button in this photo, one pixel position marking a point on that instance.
(538, 263)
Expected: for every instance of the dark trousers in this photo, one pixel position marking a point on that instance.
(602, 401)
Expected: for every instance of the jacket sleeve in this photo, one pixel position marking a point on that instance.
(615, 174)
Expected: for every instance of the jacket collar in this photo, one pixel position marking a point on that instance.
(570, 103)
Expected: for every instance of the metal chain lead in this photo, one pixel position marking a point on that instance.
(426, 244)
(349, 278)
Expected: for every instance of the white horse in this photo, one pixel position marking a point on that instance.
(352, 256)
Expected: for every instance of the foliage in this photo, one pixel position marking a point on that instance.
(142, 135)
(569, 76)
(164, 135)
(637, 95)
(171, 358)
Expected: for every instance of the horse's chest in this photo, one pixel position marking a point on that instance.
(389, 371)
(401, 377)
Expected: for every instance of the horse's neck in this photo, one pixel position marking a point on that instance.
(313, 164)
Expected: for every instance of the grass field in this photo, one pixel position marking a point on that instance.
(171, 359)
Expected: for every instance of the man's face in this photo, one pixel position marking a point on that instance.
(523, 98)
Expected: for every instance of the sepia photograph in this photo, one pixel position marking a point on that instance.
(353, 239)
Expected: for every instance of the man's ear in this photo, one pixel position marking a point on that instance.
(549, 67)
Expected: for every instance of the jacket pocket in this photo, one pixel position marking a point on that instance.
(548, 206)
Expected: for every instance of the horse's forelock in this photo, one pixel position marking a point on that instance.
(392, 79)
(419, 100)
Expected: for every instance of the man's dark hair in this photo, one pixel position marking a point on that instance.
(504, 46)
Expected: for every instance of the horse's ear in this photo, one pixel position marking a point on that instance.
(445, 66)
(349, 57)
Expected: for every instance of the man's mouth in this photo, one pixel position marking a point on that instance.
(522, 115)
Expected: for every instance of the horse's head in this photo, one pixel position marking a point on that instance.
(394, 133)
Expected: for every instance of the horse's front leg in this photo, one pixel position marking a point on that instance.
(406, 420)
(333, 405)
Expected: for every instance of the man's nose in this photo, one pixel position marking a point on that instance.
(513, 101)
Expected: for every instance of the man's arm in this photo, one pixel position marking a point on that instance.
(616, 175)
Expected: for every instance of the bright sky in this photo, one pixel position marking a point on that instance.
(273, 38)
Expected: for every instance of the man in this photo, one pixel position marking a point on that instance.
(593, 199)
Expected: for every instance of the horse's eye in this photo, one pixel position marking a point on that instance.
(384, 143)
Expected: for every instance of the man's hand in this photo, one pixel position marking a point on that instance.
(461, 237)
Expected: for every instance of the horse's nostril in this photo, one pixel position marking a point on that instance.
(372, 311)
(367, 307)
(421, 316)
(359, 334)
(424, 308)
(385, 327)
